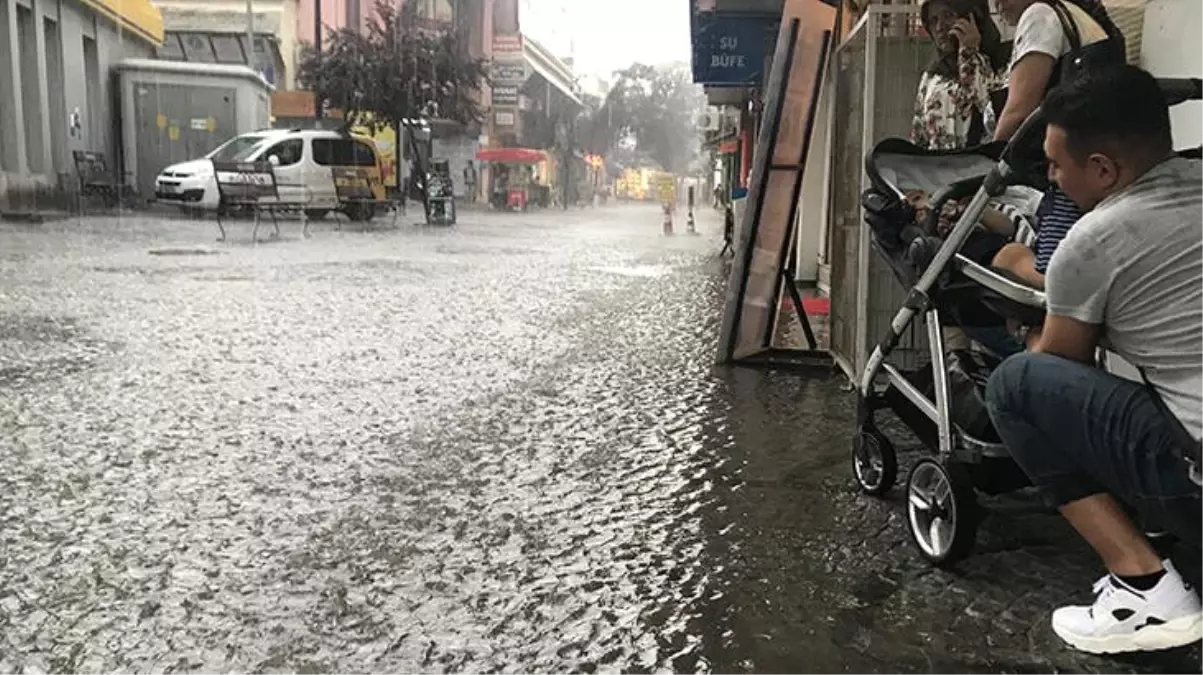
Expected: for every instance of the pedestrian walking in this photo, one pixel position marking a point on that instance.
(470, 182)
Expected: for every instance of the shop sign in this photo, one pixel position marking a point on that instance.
(731, 50)
(505, 94)
(504, 118)
(507, 44)
(509, 72)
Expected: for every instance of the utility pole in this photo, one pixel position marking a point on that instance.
(317, 46)
(250, 35)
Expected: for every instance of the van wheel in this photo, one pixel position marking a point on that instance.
(360, 213)
(316, 214)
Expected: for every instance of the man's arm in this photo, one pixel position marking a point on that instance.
(1025, 90)
(1067, 338)
(1079, 282)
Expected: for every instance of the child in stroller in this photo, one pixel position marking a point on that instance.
(949, 279)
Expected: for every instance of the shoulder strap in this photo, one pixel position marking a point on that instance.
(1193, 449)
(1068, 25)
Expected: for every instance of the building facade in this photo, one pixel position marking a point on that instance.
(215, 31)
(56, 61)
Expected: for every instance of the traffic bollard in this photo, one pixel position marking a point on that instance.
(690, 226)
(668, 218)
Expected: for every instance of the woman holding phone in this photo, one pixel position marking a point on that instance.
(953, 106)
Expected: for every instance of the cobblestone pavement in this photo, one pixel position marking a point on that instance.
(495, 447)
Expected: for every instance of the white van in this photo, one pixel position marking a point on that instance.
(302, 158)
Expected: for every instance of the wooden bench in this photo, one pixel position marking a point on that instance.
(97, 180)
(253, 186)
(360, 194)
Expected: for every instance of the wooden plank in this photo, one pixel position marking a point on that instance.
(766, 234)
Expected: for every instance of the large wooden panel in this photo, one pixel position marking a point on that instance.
(766, 234)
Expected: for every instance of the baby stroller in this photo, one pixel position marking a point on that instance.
(949, 280)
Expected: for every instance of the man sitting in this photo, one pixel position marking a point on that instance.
(1130, 271)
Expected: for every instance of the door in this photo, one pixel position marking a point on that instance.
(177, 123)
(289, 169)
(324, 153)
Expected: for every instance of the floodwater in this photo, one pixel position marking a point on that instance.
(495, 447)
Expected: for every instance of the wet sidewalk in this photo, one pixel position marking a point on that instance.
(490, 448)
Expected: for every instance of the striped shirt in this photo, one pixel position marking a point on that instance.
(1057, 213)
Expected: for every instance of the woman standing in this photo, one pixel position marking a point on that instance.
(953, 107)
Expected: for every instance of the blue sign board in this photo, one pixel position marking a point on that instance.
(731, 49)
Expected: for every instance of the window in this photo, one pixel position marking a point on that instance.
(364, 154)
(237, 149)
(171, 49)
(288, 151)
(197, 47)
(342, 152)
(228, 49)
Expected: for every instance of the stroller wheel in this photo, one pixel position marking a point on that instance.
(941, 511)
(874, 461)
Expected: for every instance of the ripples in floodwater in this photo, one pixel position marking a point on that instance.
(647, 271)
(372, 462)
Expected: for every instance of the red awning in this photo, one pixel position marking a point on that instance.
(511, 155)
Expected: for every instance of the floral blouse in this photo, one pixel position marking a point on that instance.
(944, 108)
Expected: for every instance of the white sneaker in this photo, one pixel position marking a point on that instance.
(1124, 619)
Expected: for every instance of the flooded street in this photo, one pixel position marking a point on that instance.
(495, 447)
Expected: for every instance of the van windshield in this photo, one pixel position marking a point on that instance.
(238, 149)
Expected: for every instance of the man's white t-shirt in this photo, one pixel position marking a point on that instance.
(1134, 265)
(1039, 31)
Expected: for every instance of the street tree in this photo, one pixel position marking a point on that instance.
(395, 72)
(657, 110)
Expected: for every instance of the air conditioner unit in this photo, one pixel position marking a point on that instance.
(711, 120)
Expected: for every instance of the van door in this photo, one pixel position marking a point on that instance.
(289, 169)
(321, 180)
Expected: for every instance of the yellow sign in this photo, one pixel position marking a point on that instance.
(138, 16)
(161, 121)
(666, 188)
(355, 183)
(211, 124)
(385, 140)
(173, 132)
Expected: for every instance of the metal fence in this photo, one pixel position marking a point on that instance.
(876, 75)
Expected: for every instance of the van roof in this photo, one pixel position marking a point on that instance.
(312, 133)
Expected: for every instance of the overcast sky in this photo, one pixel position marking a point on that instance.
(607, 35)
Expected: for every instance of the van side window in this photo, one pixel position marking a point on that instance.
(289, 151)
(364, 154)
(323, 151)
(342, 152)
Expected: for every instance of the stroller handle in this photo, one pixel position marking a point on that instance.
(1180, 90)
(1176, 90)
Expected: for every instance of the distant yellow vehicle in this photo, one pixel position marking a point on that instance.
(630, 185)
(646, 184)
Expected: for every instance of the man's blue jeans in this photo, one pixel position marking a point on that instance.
(1078, 431)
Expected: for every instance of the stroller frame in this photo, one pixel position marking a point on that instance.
(941, 503)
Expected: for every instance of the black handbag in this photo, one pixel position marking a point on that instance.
(1079, 60)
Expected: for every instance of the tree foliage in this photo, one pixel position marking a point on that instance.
(395, 70)
(652, 109)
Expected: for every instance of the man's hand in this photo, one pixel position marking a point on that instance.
(1067, 338)
(1025, 90)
